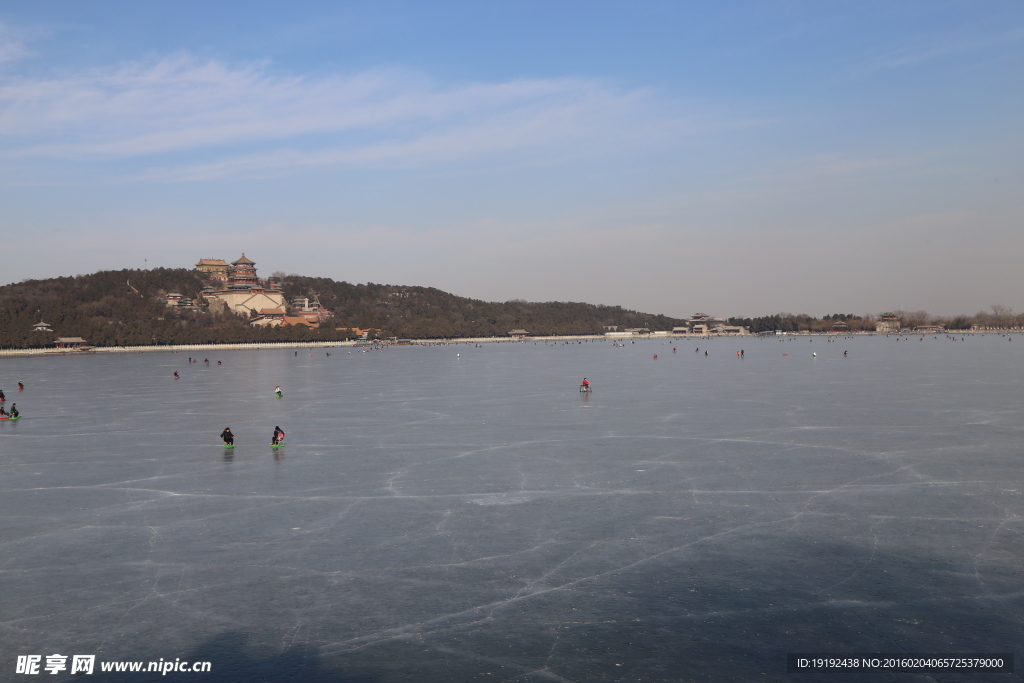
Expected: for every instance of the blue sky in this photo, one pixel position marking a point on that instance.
(736, 158)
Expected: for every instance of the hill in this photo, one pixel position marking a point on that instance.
(127, 307)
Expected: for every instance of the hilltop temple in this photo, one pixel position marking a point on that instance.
(244, 291)
(214, 268)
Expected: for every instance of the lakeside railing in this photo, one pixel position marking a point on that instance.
(428, 342)
(174, 347)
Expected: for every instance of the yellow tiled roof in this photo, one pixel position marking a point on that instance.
(299, 320)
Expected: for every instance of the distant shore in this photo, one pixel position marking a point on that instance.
(315, 345)
(8, 353)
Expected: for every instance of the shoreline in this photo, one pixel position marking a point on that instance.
(258, 346)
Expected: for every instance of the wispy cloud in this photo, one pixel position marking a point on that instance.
(12, 46)
(936, 47)
(249, 119)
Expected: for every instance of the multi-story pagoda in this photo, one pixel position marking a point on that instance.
(242, 275)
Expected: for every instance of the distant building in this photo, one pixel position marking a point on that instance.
(729, 329)
(680, 330)
(628, 332)
(703, 324)
(70, 343)
(302, 306)
(272, 313)
(705, 319)
(268, 317)
(245, 292)
(887, 324)
(213, 268)
(519, 334)
(359, 332)
(41, 327)
(177, 300)
(277, 318)
(299, 320)
(242, 275)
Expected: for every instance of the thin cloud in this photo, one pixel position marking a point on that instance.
(937, 47)
(834, 165)
(527, 127)
(12, 47)
(249, 119)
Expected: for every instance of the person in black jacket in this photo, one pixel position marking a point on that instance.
(228, 437)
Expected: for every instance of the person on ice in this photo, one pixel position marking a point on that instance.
(278, 437)
(228, 437)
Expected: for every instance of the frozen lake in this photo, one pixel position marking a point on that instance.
(444, 518)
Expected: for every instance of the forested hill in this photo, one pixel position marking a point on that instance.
(428, 313)
(127, 307)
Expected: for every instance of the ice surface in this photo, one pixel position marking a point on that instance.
(444, 518)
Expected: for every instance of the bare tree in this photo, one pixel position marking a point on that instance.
(1002, 316)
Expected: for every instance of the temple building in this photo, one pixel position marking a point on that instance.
(888, 323)
(311, 310)
(70, 343)
(176, 300)
(705, 319)
(214, 268)
(242, 275)
(244, 292)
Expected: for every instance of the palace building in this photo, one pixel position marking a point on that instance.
(242, 275)
(214, 268)
(888, 323)
(244, 292)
